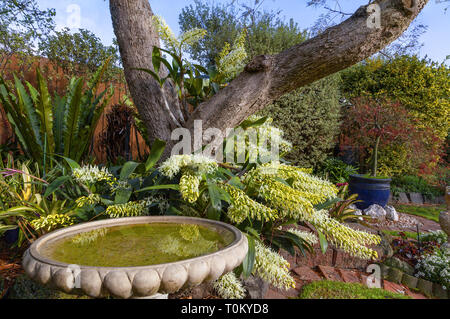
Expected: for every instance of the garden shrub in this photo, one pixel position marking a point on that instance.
(310, 119)
(25, 288)
(325, 289)
(414, 184)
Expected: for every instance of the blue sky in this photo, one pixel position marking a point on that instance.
(96, 18)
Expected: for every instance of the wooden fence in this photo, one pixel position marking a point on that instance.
(57, 82)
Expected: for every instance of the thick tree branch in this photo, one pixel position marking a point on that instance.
(269, 77)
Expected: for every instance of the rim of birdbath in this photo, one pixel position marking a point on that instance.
(135, 281)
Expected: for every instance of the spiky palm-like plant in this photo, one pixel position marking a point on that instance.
(62, 125)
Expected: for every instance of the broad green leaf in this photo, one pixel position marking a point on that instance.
(45, 111)
(249, 260)
(156, 62)
(328, 203)
(253, 232)
(128, 169)
(213, 213)
(73, 115)
(156, 152)
(59, 110)
(248, 123)
(153, 74)
(284, 243)
(71, 162)
(168, 186)
(122, 196)
(29, 108)
(55, 185)
(323, 242)
(216, 195)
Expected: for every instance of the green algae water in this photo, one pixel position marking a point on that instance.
(137, 245)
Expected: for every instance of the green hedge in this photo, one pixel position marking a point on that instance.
(310, 118)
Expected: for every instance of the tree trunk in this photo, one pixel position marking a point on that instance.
(266, 78)
(158, 108)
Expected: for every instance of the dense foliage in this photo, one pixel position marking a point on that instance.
(336, 170)
(422, 88)
(414, 184)
(21, 24)
(80, 53)
(267, 32)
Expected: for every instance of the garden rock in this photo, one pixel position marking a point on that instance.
(384, 271)
(403, 198)
(385, 244)
(395, 275)
(357, 212)
(410, 281)
(375, 211)
(439, 291)
(391, 213)
(399, 264)
(416, 198)
(444, 221)
(425, 287)
(256, 287)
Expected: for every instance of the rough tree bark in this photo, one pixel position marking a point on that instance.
(264, 79)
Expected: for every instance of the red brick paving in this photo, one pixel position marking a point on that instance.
(329, 273)
(349, 275)
(307, 274)
(393, 287)
(415, 295)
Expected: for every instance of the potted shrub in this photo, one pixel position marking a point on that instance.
(370, 124)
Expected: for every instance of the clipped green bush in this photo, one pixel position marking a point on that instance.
(414, 184)
(325, 289)
(310, 119)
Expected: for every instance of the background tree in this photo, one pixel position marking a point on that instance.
(310, 118)
(420, 85)
(22, 23)
(267, 33)
(79, 53)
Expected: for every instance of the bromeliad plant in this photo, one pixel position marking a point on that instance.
(120, 191)
(23, 207)
(63, 125)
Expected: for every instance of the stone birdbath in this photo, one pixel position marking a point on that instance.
(137, 257)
